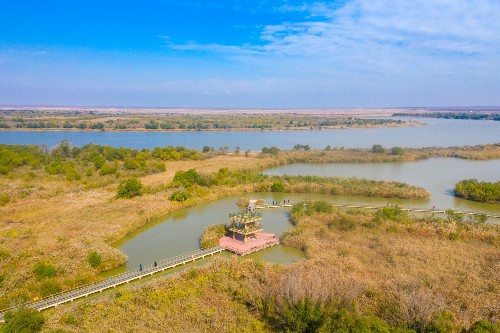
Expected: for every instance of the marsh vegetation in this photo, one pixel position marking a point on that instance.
(379, 271)
(60, 213)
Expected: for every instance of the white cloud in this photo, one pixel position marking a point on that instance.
(373, 52)
(380, 32)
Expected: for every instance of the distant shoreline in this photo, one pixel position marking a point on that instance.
(221, 130)
(341, 112)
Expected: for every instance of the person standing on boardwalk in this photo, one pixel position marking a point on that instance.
(156, 264)
(140, 267)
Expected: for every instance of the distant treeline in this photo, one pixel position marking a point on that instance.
(452, 115)
(183, 123)
(471, 189)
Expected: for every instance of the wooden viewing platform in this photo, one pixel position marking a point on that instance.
(84, 291)
(246, 235)
(245, 225)
(261, 242)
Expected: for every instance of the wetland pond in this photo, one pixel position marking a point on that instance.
(180, 231)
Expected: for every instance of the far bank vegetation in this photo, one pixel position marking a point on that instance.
(22, 120)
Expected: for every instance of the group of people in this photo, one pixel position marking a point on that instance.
(276, 203)
(140, 266)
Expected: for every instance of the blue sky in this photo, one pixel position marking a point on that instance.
(250, 54)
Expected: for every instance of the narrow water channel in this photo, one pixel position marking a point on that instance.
(180, 231)
(437, 175)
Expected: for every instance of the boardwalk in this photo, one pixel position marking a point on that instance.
(119, 279)
(416, 210)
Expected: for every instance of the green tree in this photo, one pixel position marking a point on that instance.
(129, 188)
(277, 187)
(179, 196)
(378, 149)
(50, 287)
(188, 178)
(471, 189)
(107, 169)
(483, 326)
(270, 150)
(397, 151)
(94, 259)
(24, 320)
(44, 270)
(303, 316)
(99, 161)
(344, 321)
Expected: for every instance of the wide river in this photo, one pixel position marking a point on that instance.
(437, 133)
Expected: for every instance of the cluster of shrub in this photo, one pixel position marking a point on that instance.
(186, 183)
(471, 189)
(309, 315)
(72, 161)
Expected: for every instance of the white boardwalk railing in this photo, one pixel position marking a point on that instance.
(83, 291)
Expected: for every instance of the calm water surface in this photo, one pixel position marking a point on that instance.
(438, 133)
(180, 231)
(437, 175)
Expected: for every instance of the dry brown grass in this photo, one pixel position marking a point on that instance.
(404, 272)
(61, 222)
(413, 269)
(196, 301)
(480, 152)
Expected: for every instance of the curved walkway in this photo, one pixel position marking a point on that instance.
(84, 291)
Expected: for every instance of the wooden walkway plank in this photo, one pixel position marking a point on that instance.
(84, 291)
(407, 209)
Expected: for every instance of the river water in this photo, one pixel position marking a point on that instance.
(437, 133)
